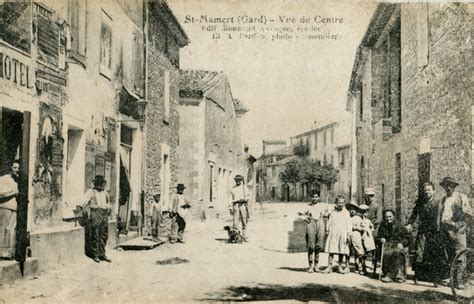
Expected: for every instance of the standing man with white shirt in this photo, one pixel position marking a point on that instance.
(100, 208)
(238, 206)
(455, 214)
(179, 211)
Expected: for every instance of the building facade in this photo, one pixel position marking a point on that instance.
(164, 39)
(409, 95)
(93, 87)
(270, 164)
(210, 148)
(329, 145)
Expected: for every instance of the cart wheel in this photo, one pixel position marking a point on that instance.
(466, 278)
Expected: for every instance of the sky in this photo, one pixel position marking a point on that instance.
(288, 85)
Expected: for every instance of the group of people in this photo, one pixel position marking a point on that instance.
(339, 229)
(443, 226)
(351, 229)
(97, 208)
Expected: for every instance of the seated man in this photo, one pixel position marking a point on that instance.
(395, 240)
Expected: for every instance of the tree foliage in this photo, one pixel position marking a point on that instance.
(291, 173)
(301, 150)
(304, 170)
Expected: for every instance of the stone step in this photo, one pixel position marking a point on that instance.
(10, 270)
(141, 243)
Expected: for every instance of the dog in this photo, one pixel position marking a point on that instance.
(234, 235)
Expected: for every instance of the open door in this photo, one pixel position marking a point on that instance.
(15, 144)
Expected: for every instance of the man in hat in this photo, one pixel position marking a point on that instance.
(8, 208)
(178, 214)
(156, 215)
(455, 214)
(373, 213)
(238, 206)
(98, 202)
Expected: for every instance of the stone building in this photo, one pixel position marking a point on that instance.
(210, 148)
(410, 98)
(330, 145)
(76, 89)
(272, 161)
(165, 38)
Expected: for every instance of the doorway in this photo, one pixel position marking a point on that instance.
(15, 145)
(125, 189)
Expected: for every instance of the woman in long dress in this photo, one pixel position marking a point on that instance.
(339, 229)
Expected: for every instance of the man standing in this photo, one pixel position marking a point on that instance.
(429, 247)
(8, 208)
(373, 214)
(178, 214)
(455, 213)
(156, 215)
(98, 201)
(238, 206)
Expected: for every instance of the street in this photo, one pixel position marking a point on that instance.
(212, 270)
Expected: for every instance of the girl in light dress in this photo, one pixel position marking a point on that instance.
(339, 227)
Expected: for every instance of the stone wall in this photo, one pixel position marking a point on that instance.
(435, 109)
(161, 132)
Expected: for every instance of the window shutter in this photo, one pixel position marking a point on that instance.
(74, 24)
(423, 30)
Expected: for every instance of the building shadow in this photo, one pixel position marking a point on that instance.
(325, 293)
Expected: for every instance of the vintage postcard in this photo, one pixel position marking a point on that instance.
(168, 151)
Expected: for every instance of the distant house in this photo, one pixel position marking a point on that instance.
(210, 148)
(270, 164)
(330, 145)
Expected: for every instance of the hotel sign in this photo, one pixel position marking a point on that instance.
(16, 70)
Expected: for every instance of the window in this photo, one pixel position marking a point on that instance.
(343, 160)
(316, 141)
(106, 46)
(77, 21)
(332, 160)
(15, 24)
(332, 135)
(325, 160)
(167, 94)
(324, 137)
(138, 76)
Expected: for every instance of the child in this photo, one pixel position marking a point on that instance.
(356, 235)
(339, 227)
(367, 235)
(315, 230)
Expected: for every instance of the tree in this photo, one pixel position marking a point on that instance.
(301, 150)
(291, 173)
